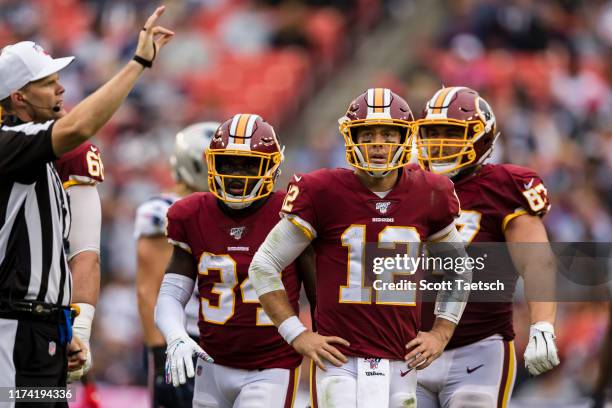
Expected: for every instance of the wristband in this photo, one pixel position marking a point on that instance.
(145, 63)
(290, 328)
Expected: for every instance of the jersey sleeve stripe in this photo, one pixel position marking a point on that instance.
(71, 183)
(517, 213)
(181, 245)
(304, 226)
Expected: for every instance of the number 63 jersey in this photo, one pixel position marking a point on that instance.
(234, 329)
(491, 197)
(348, 223)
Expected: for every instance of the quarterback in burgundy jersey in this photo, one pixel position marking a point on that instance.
(349, 215)
(499, 203)
(215, 235)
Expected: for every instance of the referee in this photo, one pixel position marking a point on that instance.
(35, 282)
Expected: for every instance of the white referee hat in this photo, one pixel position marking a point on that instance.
(25, 62)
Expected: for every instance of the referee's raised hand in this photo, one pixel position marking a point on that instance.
(152, 37)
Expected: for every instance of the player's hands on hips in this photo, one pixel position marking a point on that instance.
(425, 348)
(541, 352)
(77, 357)
(152, 38)
(319, 347)
(179, 358)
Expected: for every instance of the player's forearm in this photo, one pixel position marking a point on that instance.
(528, 245)
(538, 272)
(542, 312)
(537, 267)
(94, 111)
(443, 327)
(85, 270)
(277, 306)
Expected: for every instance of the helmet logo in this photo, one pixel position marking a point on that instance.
(267, 141)
(218, 135)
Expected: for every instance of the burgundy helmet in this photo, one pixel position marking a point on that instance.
(473, 137)
(244, 135)
(377, 106)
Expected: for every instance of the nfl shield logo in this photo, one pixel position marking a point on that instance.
(383, 206)
(199, 370)
(237, 232)
(52, 348)
(373, 362)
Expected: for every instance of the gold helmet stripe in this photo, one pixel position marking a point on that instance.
(378, 100)
(241, 129)
(437, 102)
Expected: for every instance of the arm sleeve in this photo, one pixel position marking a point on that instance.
(451, 303)
(86, 220)
(282, 246)
(25, 145)
(174, 294)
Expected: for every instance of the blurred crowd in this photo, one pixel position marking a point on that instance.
(544, 66)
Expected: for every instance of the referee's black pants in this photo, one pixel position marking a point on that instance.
(31, 355)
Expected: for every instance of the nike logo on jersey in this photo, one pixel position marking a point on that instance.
(471, 370)
(404, 373)
(528, 185)
(297, 178)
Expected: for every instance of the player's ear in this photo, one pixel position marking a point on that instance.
(17, 99)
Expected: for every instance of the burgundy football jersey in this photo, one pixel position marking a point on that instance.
(234, 329)
(490, 198)
(82, 165)
(349, 223)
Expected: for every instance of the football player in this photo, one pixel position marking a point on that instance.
(498, 203)
(153, 254)
(80, 170)
(371, 337)
(215, 235)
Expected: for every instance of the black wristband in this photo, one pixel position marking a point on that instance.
(145, 63)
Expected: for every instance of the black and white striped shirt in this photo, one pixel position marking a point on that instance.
(34, 218)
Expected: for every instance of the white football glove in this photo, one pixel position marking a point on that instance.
(179, 358)
(82, 329)
(541, 352)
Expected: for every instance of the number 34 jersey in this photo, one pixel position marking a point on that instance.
(346, 221)
(234, 329)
